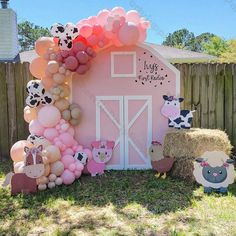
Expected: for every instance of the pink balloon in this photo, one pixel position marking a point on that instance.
(77, 174)
(129, 34)
(92, 40)
(71, 131)
(142, 35)
(67, 139)
(92, 20)
(86, 30)
(79, 46)
(82, 57)
(102, 17)
(118, 11)
(72, 167)
(97, 29)
(35, 127)
(133, 16)
(68, 151)
(67, 160)
(49, 116)
(64, 53)
(50, 133)
(82, 69)
(79, 166)
(71, 63)
(68, 177)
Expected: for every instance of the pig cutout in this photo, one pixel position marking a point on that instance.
(102, 153)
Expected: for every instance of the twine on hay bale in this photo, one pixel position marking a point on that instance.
(186, 145)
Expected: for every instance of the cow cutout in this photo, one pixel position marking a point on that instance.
(177, 118)
(33, 168)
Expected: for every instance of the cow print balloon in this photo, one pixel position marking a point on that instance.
(65, 34)
(37, 94)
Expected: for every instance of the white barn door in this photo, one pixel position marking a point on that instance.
(128, 121)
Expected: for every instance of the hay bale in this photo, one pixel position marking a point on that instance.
(186, 145)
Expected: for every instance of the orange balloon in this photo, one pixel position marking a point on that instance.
(17, 150)
(48, 82)
(38, 67)
(43, 44)
(30, 114)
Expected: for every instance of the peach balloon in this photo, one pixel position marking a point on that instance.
(38, 67)
(42, 180)
(53, 153)
(47, 82)
(59, 78)
(43, 44)
(17, 150)
(53, 67)
(57, 168)
(47, 169)
(30, 114)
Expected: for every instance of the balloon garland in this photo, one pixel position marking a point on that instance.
(50, 114)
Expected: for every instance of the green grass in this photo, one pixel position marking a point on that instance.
(119, 203)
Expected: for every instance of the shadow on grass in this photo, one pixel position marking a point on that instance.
(119, 188)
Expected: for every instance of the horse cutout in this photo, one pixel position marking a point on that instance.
(34, 168)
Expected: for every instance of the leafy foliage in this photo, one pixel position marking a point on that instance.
(200, 40)
(216, 46)
(182, 39)
(28, 33)
(230, 54)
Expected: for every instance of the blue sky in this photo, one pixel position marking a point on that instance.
(198, 16)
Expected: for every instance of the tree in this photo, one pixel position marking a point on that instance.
(229, 55)
(200, 40)
(180, 39)
(216, 46)
(28, 33)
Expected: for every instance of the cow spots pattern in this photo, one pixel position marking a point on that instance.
(37, 94)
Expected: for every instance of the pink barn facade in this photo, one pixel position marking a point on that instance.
(121, 97)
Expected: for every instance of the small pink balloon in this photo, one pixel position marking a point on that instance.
(68, 177)
(92, 40)
(142, 35)
(102, 17)
(67, 139)
(71, 63)
(129, 34)
(35, 127)
(97, 29)
(71, 131)
(79, 148)
(86, 30)
(79, 46)
(50, 133)
(90, 51)
(92, 20)
(82, 57)
(64, 53)
(68, 151)
(49, 116)
(120, 11)
(82, 69)
(67, 160)
(133, 16)
(89, 153)
(77, 174)
(79, 166)
(72, 167)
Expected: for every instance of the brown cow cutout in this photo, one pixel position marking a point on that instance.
(33, 169)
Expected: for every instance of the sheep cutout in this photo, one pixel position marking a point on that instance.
(215, 171)
(159, 162)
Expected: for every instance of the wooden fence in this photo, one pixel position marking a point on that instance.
(208, 88)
